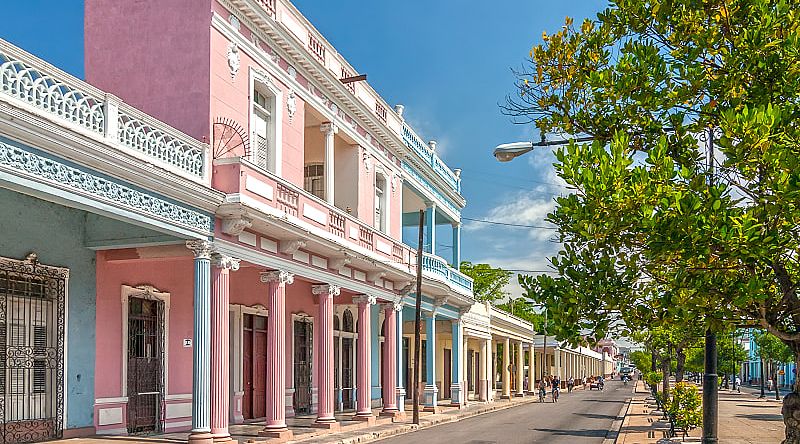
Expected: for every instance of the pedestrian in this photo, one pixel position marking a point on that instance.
(525, 384)
(570, 384)
(738, 384)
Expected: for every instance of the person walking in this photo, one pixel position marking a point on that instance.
(570, 384)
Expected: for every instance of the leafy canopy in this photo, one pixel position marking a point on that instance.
(657, 232)
(488, 282)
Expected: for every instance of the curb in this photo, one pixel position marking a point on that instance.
(616, 425)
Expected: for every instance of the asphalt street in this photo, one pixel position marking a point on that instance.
(583, 416)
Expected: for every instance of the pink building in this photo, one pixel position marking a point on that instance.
(298, 303)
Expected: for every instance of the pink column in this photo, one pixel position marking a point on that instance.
(324, 361)
(390, 359)
(276, 354)
(220, 385)
(363, 383)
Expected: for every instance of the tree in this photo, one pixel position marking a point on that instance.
(772, 350)
(729, 355)
(709, 240)
(488, 282)
(641, 359)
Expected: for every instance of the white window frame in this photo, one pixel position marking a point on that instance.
(385, 210)
(259, 80)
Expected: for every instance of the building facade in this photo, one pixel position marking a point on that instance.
(219, 227)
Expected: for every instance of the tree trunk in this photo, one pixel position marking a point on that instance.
(665, 365)
(791, 407)
(681, 362)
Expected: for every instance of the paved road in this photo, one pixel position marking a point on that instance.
(580, 417)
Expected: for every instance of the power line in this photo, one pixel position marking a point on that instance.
(494, 222)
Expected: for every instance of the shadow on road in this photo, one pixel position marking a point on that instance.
(596, 433)
(762, 417)
(596, 416)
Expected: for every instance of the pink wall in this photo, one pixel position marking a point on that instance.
(154, 56)
(172, 275)
(230, 98)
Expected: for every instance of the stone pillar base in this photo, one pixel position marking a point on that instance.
(327, 424)
(431, 409)
(277, 435)
(223, 439)
(369, 418)
(201, 438)
(505, 396)
(519, 395)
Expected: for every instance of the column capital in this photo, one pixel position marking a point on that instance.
(365, 299)
(456, 224)
(429, 314)
(396, 306)
(322, 289)
(279, 276)
(201, 248)
(329, 128)
(225, 262)
(440, 300)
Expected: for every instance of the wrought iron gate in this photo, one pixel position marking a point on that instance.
(32, 307)
(302, 365)
(145, 365)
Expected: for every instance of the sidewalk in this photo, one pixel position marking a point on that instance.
(743, 419)
(351, 431)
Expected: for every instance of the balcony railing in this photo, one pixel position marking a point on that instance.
(439, 267)
(30, 82)
(430, 157)
(240, 176)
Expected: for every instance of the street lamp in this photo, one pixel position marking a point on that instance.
(507, 152)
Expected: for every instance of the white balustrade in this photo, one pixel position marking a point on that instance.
(33, 82)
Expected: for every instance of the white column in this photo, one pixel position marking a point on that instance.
(201, 350)
(329, 129)
(520, 370)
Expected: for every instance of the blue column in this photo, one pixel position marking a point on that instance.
(401, 364)
(456, 391)
(430, 228)
(201, 347)
(431, 391)
(456, 245)
(375, 347)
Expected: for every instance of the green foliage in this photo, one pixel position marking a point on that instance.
(488, 282)
(770, 348)
(730, 355)
(651, 236)
(653, 378)
(685, 406)
(641, 359)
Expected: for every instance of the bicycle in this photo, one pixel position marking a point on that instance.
(542, 394)
(555, 394)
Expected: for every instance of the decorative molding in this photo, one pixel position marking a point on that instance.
(366, 158)
(440, 301)
(21, 162)
(333, 290)
(290, 247)
(396, 306)
(226, 262)
(234, 22)
(279, 276)
(328, 128)
(291, 104)
(365, 299)
(234, 60)
(375, 276)
(202, 249)
(235, 225)
(337, 263)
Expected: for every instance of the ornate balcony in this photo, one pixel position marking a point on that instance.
(438, 268)
(32, 84)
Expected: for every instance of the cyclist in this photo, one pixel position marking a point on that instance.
(556, 387)
(542, 390)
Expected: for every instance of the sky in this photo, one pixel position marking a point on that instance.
(448, 61)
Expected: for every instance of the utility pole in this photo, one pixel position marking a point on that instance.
(418, 322)
(710, 389)
(761, 378)
(544, 344)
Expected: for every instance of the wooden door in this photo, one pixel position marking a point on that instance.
(347, 374)
(470, 373)
(254, 365)
(145, 365)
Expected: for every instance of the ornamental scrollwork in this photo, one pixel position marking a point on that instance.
(42, 168)
(53, 96)
(153, 142)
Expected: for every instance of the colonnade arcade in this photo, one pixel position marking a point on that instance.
(316, 356)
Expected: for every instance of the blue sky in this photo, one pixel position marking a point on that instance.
(449, 62)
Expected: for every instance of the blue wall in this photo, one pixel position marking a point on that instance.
(56, 234)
